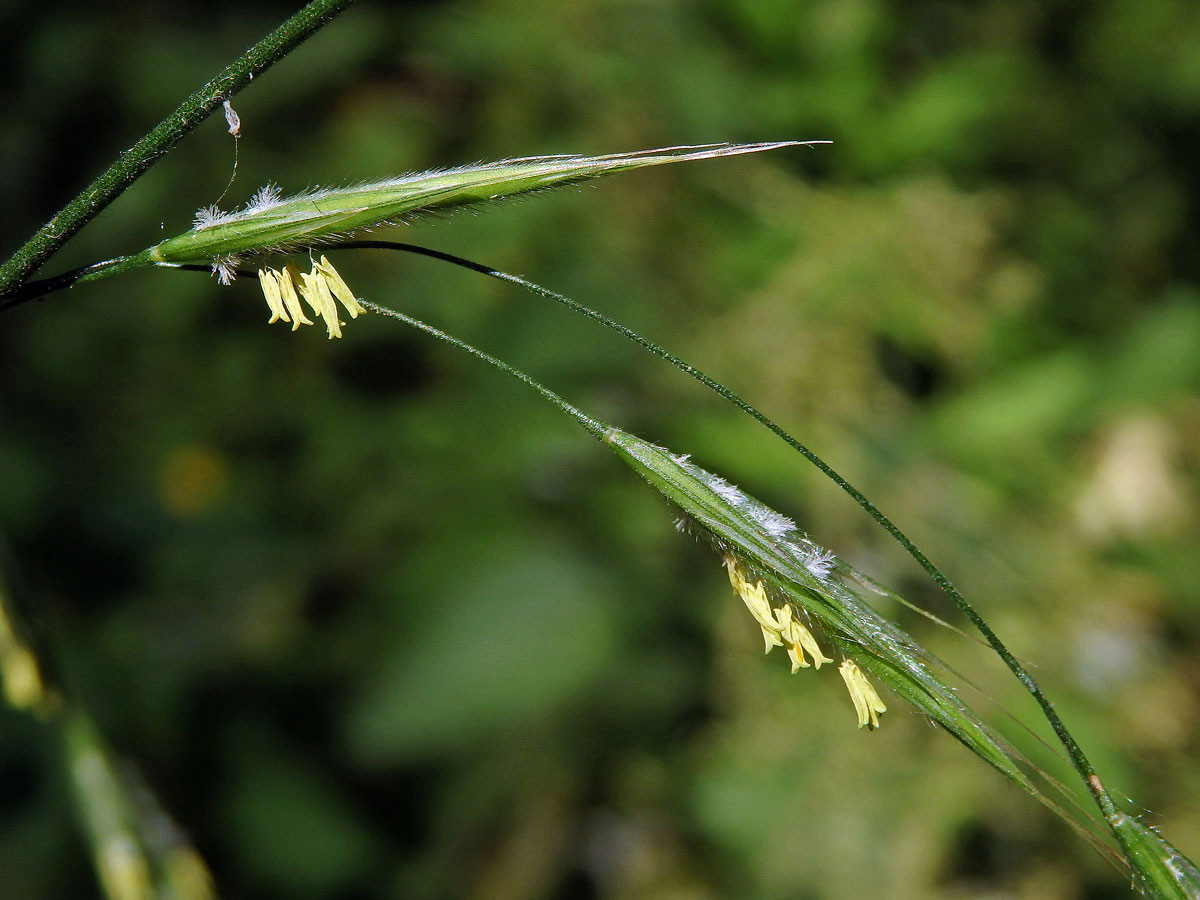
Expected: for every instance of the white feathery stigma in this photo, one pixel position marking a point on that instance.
(208, 215)
(773, 523)
(264, 198)
(819, 562)
(225, 269)
(730, 493)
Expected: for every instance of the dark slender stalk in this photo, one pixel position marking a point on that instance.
(33, 290)
(596, 428)
(138, 158)
(1078, 759)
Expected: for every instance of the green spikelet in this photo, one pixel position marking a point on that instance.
(271, 222)
(796, 574)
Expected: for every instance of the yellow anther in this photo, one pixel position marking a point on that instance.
(288, 277)
(866, 702)
(796, 638)
(339, 287)
(315, 290)
(269, 280)
(755, 598)
(322, 289)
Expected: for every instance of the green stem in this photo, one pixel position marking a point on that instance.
(1078, 759)
(596, 428)
(137, 159)
(32, 290)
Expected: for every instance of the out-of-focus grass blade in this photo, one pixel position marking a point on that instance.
(21, 677)
(139, 853)
(121, 864)
(271, 222)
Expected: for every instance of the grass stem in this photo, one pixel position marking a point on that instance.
(130, 165)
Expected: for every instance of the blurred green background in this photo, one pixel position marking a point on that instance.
(376, 622)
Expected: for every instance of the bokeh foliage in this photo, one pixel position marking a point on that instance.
(376, 623)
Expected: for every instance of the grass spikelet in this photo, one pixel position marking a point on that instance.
(813, 586)
(788, 583)
(774, 566)
(1160, 870)
(271, 223)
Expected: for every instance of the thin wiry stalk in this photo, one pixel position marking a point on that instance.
(810, 581)
(596, 428)
(271, 223)
(34, 290)
(1075, 753)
